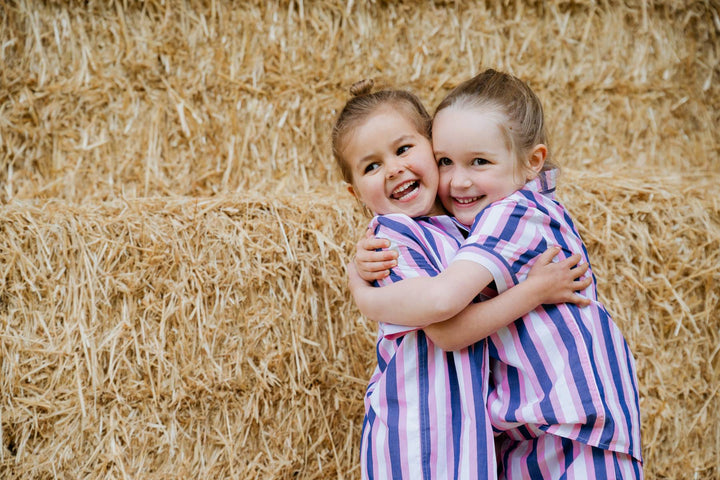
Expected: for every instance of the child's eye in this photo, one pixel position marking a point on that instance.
(444, 161)
(370, 167)
(479, 161)
(402, 149)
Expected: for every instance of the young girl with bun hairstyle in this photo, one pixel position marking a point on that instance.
(563, 396)
(425, 406)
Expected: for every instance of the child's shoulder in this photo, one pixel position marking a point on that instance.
(391, 219)
(397, 224)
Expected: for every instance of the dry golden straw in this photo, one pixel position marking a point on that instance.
(173, 231)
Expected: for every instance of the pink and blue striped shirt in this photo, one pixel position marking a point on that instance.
(425, 409)
(561, 369)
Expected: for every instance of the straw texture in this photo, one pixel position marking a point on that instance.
(173, 230)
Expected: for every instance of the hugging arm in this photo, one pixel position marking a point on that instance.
(547, 283)
(422, 301)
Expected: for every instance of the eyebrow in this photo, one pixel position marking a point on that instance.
(365, 160)
(372, 156)
(403, 139)
(474, 154)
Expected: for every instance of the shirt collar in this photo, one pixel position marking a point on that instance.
(544, 183)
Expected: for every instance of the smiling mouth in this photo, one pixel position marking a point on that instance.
(467, 200)
(404, 190)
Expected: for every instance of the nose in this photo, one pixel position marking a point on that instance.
(395, 167)
(459, 180)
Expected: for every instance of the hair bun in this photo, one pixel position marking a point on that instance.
(363, 87)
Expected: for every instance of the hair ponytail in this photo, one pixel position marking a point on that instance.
(363, 87)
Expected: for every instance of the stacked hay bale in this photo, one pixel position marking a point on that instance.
(173, 232)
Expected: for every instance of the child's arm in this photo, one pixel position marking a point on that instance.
(547, 282)
(425, 300)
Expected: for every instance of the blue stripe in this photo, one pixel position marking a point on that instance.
(478, 218)
(543, 183)
(568, 447)
(637, 468)
(636, 398)
(501, 442)
(609, 426)
(599, 463)
(455, 410)
(393, 420)
(575, 364)
(617, 375)
(616, 464)
(541, 374)
(381, 361)
(512, 222)
(422, 261)
(513, 379)
(476, 353)
(424, 387)
(368, 424)
(528, 255)
(532, 463)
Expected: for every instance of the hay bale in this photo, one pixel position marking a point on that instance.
(173, 229)
(655, 248)
(197, 337)
(187, 338)
(136, 99)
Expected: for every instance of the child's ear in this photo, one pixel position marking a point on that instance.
(351, 190)
(536, 160)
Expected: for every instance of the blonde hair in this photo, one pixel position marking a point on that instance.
(362, 105)
(524, 125)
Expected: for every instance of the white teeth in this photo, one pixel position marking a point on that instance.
(464, 201)
(404, 189)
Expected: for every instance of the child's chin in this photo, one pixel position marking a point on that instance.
(465, 218)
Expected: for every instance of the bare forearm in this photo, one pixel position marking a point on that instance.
(421, 301)
(479, 320)
(413, 302)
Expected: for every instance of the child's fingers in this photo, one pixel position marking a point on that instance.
(583, 283)
(378, 275)
(371, 266)
(373, 243)
(579, 271)
(579, 300)
(547, 256)
(571, 261)
(356, 277)
(372, 256)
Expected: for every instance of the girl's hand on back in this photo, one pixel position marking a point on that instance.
(371, 263)
(558, 282)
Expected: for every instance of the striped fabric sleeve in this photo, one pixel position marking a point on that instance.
(499, 241)
(412, 244)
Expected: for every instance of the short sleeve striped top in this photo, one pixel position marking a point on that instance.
(425, 409)
(561, 369)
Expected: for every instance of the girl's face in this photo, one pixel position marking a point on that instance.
(476, 166)
(392, 165)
